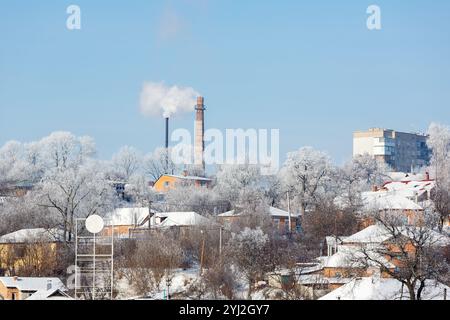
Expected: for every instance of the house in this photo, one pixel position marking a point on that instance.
(386, 202)
(17, 189)
(168, 182)
(417, 191)
(378, 234)
(348, 263)
(181, 222)
(22, 288)
(35, 249)
(125, 219)
(229, 217)
(280, 219)
(51, 294)
(376, 288)
(178, 219)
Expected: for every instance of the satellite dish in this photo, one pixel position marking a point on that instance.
(94, 224)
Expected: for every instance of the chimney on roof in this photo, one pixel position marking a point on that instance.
(199, 143)
(15, 278)
(427, 176)
(49, 284)
(375, 188)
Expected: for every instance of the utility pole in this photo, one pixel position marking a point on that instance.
(202, 253)
(220, 242)
(289, 212)
(150, 216)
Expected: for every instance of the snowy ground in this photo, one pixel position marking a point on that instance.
(181, 283)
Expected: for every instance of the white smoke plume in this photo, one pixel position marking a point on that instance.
(157, 99)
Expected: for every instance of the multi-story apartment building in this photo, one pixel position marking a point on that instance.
(401, 151)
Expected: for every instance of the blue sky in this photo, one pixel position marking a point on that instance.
(310, 68)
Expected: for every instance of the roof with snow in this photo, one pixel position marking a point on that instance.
(375, 288)
(229, 214)
(410, 189)
(33, 235)
(181, 219)
(354, 257)
(387, 201)
(372, 234)
(281, 213)
(378, 233)
(196, 178)
(403, 176)
(31, 284)
(129, 216)
(52, 294)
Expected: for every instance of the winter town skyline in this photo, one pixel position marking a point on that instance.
(316, 87)
(207, 151)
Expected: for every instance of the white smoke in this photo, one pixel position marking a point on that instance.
(157, 99)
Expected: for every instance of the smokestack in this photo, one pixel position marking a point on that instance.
(199, 145)
(167, 146)
(167, 134)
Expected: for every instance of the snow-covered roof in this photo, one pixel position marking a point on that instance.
(129, 216)
(231, 213)
(31, 235)
(403, 176)
(189, 177)
(387, 201)
(309, 279)
(372, 234)
(52, 294)
(281, 213)
(378, 233)
(354, 257)
(181, 219)
(375, 288)
(410, 189)
(31, 284)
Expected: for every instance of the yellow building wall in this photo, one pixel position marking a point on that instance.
(165, 183)
(9, 260)
(7, 293)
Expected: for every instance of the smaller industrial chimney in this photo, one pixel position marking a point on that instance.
(199, 144)
(167, 134)
(166, 145)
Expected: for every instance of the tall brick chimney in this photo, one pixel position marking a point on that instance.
(199, 143)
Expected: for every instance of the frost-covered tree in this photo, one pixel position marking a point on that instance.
(13, 167)
(190, 198)
(75, 193)
(413, 255)
(126, 162)
(439, 144)
(28, 162)
(64, 150)
(249, 251)
(305, 175)
(233, 179)
(359, 175)
(158, 163)
(139, 190)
